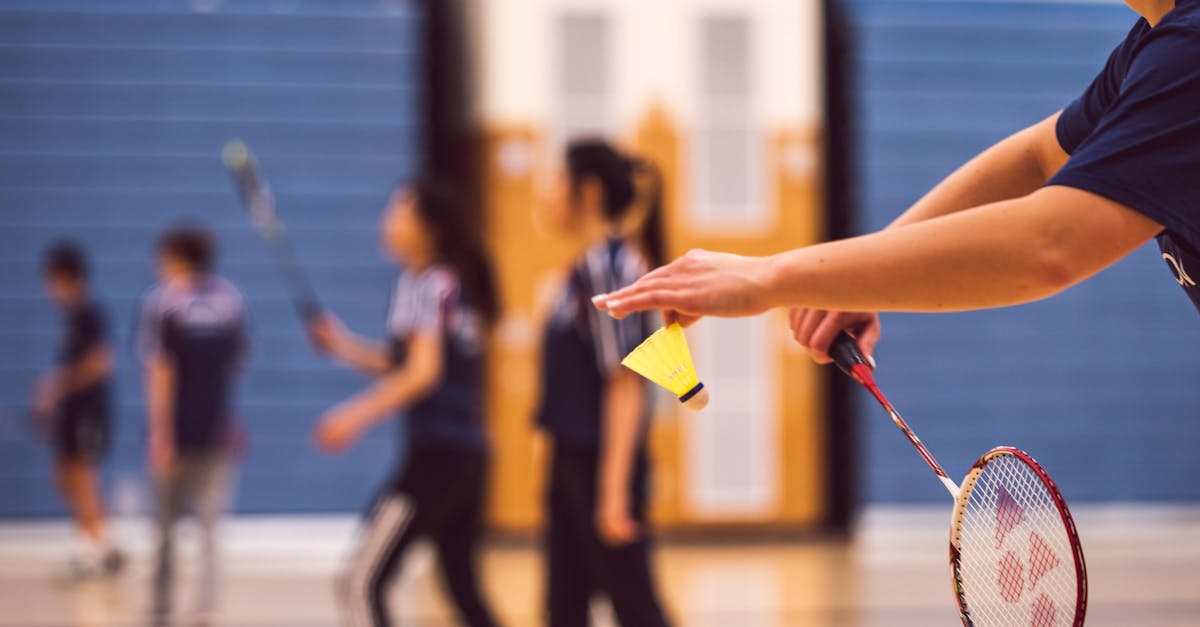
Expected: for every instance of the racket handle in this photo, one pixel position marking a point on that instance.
(846, 354)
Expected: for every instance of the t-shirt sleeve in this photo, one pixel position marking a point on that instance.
(1144, 151)
(1081, 116)
(435, 290)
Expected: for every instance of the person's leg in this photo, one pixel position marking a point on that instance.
(214, 477)
(387, 533)
(170, 498)
(83, 496)
(628, 575)
(630, 584)
(456, 535)
(570, 574)
(79, 447)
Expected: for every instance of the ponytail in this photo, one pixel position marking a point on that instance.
(648, 201)
(632, 192)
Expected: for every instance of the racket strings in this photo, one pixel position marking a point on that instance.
(1015, 556)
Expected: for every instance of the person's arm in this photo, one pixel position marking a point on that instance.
(329, 336)
(624, 396)
(160, 399)
(1016, 166)
(1004, 253)
(96, 365)
(421, 371)
(1012, 168)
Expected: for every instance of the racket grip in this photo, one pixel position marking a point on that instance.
(846, 354)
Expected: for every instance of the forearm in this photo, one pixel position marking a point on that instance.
(160, 390)
(93, 368)
(391, 393)
(1000, 254)
(1014, 167)
(622, 409)
(362, 354)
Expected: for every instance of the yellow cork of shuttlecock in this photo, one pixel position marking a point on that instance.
(664, 358)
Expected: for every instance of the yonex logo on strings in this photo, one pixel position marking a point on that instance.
(1011, 571)
(1181, 274)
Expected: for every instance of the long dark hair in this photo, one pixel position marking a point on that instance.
(458, 241)
(630, 184)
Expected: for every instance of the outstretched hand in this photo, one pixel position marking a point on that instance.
(700, 283)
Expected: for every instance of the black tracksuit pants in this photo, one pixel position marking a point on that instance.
(580, 565)
(439, 495)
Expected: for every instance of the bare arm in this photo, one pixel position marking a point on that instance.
(362, 354)
(160, 398)
(401, 387)
(623, 400)
(1004, 253)
(329, 336)
(95, 366)
(1016, 166)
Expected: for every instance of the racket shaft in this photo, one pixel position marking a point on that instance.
(304, 297)
(850, 359)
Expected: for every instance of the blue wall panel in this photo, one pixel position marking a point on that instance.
(1099, 383)
(112, 117)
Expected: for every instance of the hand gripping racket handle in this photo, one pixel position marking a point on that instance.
(850, 359)
(846, 354)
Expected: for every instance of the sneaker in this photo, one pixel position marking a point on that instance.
(113, 562)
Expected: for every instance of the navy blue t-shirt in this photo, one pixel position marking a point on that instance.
(582, 346)
(86, 331)
(1134, 135)
(431, 302)
(202, 331)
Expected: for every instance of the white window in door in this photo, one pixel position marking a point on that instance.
(584, 84)
(732, 453)
(727, 160)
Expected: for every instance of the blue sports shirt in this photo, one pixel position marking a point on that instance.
(1134, 135)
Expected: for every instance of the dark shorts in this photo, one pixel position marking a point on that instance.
(81, 435)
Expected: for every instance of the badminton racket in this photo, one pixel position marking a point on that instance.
(1015, 555)
(256, 196)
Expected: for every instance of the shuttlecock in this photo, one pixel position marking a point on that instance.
(664, 358)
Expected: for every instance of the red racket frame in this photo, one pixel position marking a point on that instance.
(847, 356)
(1064, 513)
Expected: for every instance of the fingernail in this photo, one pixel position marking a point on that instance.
(871, 360)
(612, 304)
(599, 299)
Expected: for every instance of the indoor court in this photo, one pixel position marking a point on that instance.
(300, 295)
(1140, 565)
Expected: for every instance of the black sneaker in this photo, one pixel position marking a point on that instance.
(113, 562)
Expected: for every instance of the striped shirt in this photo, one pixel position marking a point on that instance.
(431, 302)
(583, 346)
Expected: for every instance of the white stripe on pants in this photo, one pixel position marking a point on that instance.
(384, 528)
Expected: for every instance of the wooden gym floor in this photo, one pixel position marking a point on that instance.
(1144, 565)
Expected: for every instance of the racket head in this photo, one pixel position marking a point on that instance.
(1015, 554)
(252, 187)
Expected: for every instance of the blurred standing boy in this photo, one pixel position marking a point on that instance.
(72, 399)
(192, 339)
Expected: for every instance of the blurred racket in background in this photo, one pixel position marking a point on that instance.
(256, 196)
(1015, 555)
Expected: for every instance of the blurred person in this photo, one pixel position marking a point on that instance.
(192, 338)
(595, 412)
(72, 402)
(1042, 210)
(431, 368)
